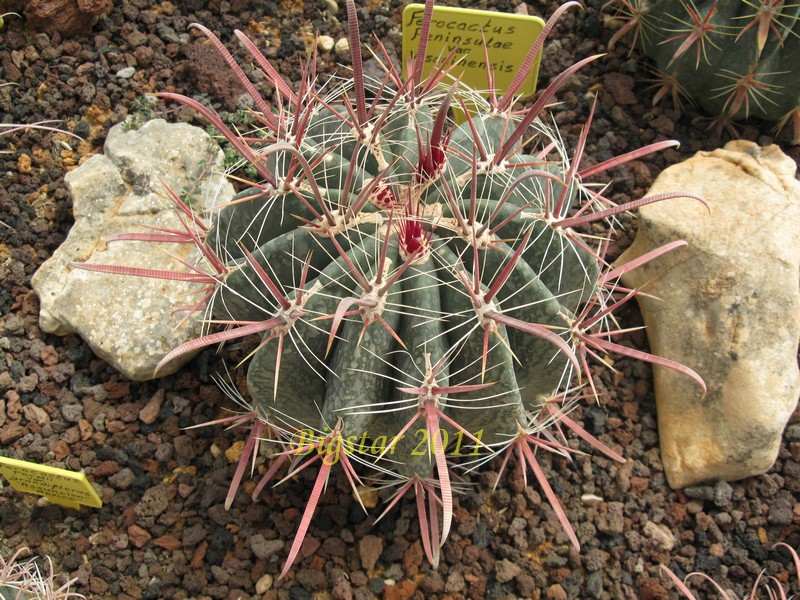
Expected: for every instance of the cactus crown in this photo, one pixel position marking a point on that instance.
(422, 288)
(737, 59)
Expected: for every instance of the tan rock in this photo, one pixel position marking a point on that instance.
(728, 306)
(128, 321)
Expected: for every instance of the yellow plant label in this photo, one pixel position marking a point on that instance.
(464, 32)
(59, 486)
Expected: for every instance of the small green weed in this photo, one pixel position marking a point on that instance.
(143, 109)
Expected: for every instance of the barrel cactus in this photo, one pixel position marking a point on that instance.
(428, 293)
(737, 58)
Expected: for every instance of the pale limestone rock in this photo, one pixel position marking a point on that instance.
(130, 321)
(728, 306)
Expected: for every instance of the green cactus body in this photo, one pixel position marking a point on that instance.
(8, 592)
(737, 58)
(427, 308)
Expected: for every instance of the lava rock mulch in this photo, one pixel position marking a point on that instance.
(163, 531)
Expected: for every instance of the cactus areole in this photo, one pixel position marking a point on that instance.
(422, 292)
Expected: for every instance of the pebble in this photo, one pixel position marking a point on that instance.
(325, 43)
(163, 452)
(149, 412)
(342, 46)
(234, 451)
(334, 546)
(701, 492)
(526, 585)
(128, 412)
(342, 590)
(595, 558)
(369, 549)
(792, 432)
(36, 414)
(6, 381)
(591, 499)
(412, 559)
(264, 583)
(432, 583)
(723, 493)
(611, 522)
(264, 548)
(781, 511)
(154, 502)
(24, 164)
(402, 590)
(620, 86)
(661, 535)
(106, 469)
(556, 592)
(72, 412)
(82, 129)
(138, 536)
(312, 579)
(505, 570)
(652, 589)
(455, 583)
(167, 542)
(594, 584)
(28, 383)
(184, 449)
(126, 73)
(193, 535)
(11, 432)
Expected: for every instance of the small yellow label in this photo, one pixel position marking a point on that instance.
(59, 486)
(508, 38)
